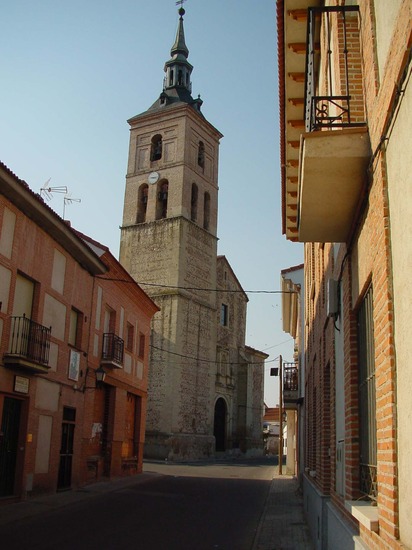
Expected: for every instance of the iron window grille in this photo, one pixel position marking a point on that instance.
(367, 400)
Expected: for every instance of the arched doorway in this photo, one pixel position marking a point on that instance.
(219, 430)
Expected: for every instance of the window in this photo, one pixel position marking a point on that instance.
(206, 211)
(193, 205)
(201, 155)
(367, 399)
(224, 315)
(162, 196)
(142, 203)
(129, 337)
(75, 328)
(142, 342)
(156, 149)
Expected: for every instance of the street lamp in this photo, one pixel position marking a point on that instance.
(100, 376)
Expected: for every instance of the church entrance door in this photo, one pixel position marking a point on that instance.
(220, 425)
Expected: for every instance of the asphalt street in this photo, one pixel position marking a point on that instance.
(172, 507)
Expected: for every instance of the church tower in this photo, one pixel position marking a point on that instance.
(169, 245)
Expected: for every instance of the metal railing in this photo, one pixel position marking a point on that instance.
(29, 340)
(113, 348)
(328, 29)
(290, 378)
(369, 481)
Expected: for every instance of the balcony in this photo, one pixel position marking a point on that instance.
(333, 169)
(335, 148)
(112, 350)
(290, 385)
(29, 346)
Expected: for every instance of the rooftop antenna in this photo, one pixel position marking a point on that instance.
(68, 200)
(46, 191)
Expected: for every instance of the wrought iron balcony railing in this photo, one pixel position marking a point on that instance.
(333, 45)
(113, 349)
(290, 385)
(290, 378)
(29, 342)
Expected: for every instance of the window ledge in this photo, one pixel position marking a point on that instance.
(366, 514)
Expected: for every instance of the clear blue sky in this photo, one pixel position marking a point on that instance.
(72, 74)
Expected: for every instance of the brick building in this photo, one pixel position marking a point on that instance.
(169, 245)
(68, 313)
(345, 101)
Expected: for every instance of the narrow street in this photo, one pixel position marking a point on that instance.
(169, 507)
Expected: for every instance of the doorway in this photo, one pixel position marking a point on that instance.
(9, 442)
(219, 430)
(66, 449)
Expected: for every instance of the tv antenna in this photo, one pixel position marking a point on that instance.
(46, 191)
(68, 199)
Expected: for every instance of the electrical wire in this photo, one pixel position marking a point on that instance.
(172, 287)
(198, 359)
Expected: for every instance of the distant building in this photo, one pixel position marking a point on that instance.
(205, 387)
(271, 430)
(69, 313)
(293, 373)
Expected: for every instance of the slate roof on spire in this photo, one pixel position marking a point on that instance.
(179, 47)
(177, 87)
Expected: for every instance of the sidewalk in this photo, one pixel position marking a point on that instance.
(283, 526)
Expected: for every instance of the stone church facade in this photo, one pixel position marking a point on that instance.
(169, 245)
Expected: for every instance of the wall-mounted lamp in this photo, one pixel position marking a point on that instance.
(100, 375)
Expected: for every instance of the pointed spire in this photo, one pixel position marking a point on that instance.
(178, 69)
(177, 86)
(179, 47)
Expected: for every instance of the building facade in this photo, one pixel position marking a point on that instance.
(345, 99)
(63, 322)
(169, 245)
(293, 373)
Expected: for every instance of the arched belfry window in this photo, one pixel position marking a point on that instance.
(206, 211)
(193, 203)
(156, 148)
(162, 196)
(201, 155)
(143, 197)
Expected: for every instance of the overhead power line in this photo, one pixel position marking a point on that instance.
(172, 287)
(216, 362)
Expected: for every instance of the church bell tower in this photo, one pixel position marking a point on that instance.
(169, 246)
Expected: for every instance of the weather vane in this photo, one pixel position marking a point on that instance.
(180, 3)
